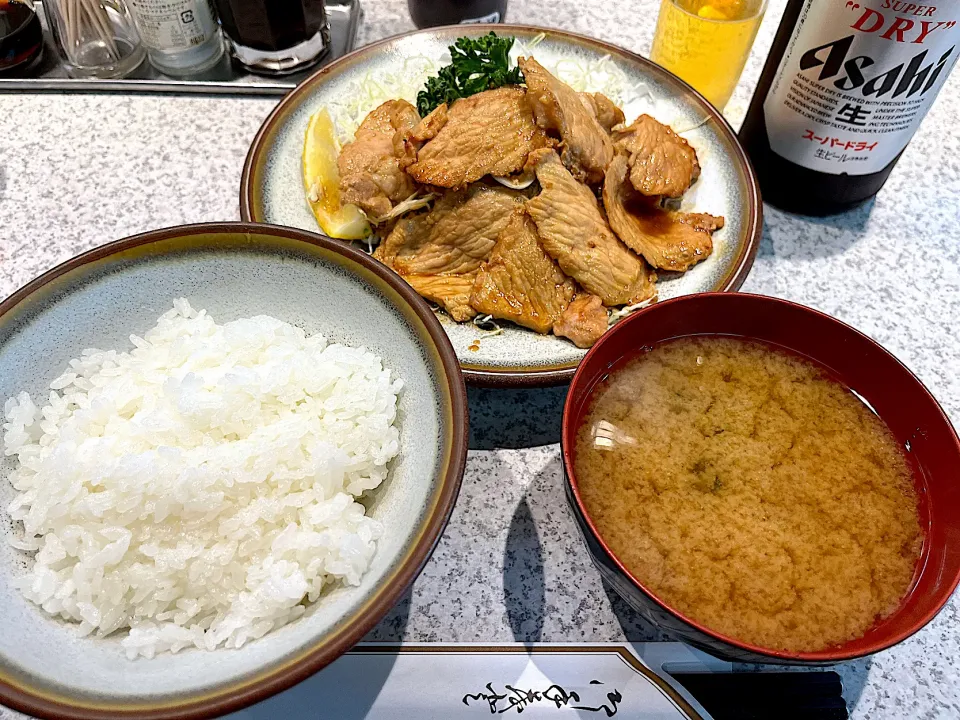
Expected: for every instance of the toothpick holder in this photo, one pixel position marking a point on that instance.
(95, 38)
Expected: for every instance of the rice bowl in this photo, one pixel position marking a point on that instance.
(234, 271)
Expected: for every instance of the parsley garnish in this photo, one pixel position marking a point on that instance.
(477, 65)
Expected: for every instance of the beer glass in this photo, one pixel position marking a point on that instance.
(706, 42)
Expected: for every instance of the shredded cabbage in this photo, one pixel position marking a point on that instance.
(618, 314)
(414, 202)
(482, 322)
(361, 96)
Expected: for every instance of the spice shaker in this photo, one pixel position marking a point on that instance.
(182, 37)
(95, 38)
(430, 13)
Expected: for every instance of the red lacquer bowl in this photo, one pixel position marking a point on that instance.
(891, 389)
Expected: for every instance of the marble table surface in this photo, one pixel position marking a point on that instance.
(78, 170)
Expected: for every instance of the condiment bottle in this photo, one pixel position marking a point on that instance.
(21, 36)
(182, 37)
(430, 13)
(275, 37)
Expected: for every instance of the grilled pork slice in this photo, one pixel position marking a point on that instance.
(587, 149)
(660, 161)
(603, 109)
(668, 240)
(575, 234)
(407, 144)
(520, 282)
(490, 133)
(440, 252)
(583, 322)
(370, 172)
(451, 292)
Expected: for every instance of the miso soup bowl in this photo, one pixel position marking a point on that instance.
(899, 398)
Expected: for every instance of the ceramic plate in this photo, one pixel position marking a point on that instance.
(272, 186)
(232, 270)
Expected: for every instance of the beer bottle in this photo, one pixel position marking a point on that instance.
(843, 90)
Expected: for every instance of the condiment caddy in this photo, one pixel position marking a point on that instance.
(224, 78)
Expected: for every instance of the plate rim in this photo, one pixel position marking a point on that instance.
(36, 698)
(488, 376)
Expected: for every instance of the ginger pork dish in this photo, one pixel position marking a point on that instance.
(507, 195)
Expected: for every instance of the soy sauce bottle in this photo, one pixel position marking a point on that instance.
(841, 94)
(430, 13)
(21, 35)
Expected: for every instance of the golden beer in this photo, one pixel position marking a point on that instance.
(706, 42)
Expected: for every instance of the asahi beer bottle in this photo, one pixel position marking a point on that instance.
(843, 91)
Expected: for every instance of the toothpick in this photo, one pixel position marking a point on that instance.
(83, 16)
(98, 14)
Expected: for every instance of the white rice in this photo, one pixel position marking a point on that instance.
(202, 488)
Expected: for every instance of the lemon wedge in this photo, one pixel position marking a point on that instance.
(711, 13)
(322, 182)
(723, 10)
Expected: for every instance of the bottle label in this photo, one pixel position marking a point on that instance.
(173, 25)
(856, 79)
(493, 17)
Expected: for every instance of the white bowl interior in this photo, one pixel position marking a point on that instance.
(100, 306)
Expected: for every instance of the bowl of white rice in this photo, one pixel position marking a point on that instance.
(226, 451)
